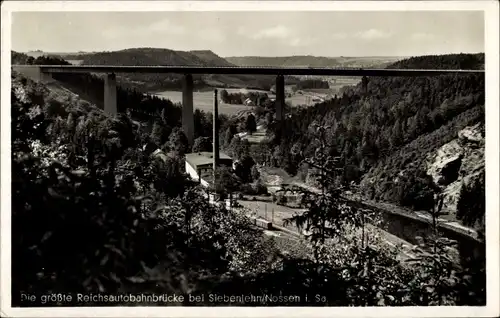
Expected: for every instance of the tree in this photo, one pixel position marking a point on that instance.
(471, 205)
(203, 123)
(202, 144)
(269, 119)
(169, 176)
(224, 95)
(327, 213)
(225, 181)
(255, 173)
(239, 148)
(177, 141)
(364, 83)
(228, 135)
(244, 168)
(250, 124)
(437, 280)
(160, 134)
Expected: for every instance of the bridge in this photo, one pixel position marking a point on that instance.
(44, 73)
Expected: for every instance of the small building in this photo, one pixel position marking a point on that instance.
(200, 164)
(248, 102)
(159, 154)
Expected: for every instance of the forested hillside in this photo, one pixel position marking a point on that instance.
(20, 58)
(448, 61)
(384, 132)
(94, 210)
(312, 61)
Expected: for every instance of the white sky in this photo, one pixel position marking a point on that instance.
(255, 33)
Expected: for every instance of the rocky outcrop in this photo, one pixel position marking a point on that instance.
(458, 162)
(449, 171)
(473, 135)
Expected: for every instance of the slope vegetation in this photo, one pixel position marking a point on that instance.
(386, 133)
(18, 58)
(312, 61)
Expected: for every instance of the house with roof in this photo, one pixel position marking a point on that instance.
(248, 102)
(199, 165)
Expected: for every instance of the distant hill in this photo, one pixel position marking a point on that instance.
(158, 56)
(148, 56)
(447, 61)
(312, 61)
(211, 58)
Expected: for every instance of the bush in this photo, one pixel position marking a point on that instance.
(281, 199)
(471, 205)
(259, 187)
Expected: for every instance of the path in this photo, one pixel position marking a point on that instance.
(278, 213)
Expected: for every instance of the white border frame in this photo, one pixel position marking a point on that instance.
(491, 15)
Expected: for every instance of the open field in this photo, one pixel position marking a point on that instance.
(204, 100)
(75, 62)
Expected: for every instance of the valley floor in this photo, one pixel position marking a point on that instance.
(264, 208)
(204, 100)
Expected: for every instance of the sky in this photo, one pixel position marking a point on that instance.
(333, 33)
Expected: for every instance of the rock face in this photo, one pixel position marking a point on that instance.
(449, 171)
(458, 162)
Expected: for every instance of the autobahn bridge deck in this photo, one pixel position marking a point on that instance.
(249, 70)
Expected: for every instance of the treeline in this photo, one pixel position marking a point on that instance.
(447, 61)
(257, 98)
(20, 58)
(312, 84)
(137, 225)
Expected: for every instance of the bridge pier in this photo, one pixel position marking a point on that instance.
(110, 106)
(280, 97)
(45, 77)
(215, 142)
(187, 108)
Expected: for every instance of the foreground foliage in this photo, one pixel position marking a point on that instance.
(93, 211)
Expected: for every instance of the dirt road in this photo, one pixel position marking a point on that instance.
(278, 213)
